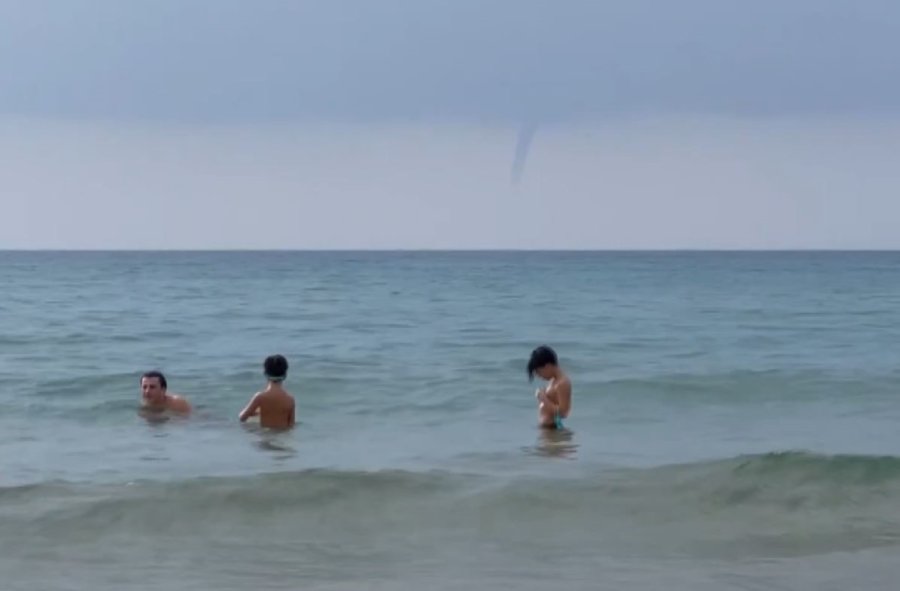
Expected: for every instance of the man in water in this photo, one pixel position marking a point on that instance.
(154, 391)
(274, 405)
(555, 399)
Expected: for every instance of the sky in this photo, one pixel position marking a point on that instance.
(449, 124)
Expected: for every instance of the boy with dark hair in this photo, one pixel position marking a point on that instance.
(274, 405)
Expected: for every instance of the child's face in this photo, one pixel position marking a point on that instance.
(545, 372)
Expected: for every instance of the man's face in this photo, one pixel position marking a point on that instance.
(152, 390)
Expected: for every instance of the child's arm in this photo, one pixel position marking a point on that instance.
(251, 409)
(560, 400)
(547, 397)
(564, 398)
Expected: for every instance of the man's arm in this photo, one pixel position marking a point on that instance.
(291, 416)
(251, 409)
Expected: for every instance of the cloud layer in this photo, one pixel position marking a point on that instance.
(477, 61)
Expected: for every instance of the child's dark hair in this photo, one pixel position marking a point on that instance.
(541, 357)
(276, 367)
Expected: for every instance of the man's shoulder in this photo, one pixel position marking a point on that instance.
(179, 402)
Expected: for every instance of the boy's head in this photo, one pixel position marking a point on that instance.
(275, 368)
(542, 361)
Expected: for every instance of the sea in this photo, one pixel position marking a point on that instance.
(735, 421)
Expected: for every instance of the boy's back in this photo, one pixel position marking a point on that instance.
(275, 407)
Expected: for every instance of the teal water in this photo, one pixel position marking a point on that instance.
(735, 422)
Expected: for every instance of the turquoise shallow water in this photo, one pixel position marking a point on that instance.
(735, 421)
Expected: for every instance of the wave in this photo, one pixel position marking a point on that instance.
(790, 502)
(846, 469)
(771, 472)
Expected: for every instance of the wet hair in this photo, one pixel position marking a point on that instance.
(540, 357)
(275, 367)
(156, 374)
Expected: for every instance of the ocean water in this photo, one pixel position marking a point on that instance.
(736, 421)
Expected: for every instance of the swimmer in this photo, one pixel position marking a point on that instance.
(555, 399)
(156, 397)
(274, 405)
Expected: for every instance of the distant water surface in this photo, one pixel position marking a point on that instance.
(736, 422)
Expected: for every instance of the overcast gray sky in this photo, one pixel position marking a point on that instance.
(395, 123)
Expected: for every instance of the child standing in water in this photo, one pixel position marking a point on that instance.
(555, 399)
(274, 405)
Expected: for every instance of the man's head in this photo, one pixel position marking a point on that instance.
(275, 368)
(153, 387)
(543, 362)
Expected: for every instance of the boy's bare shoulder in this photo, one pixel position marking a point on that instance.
(279, 396)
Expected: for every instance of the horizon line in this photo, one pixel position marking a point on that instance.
(456, 250)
